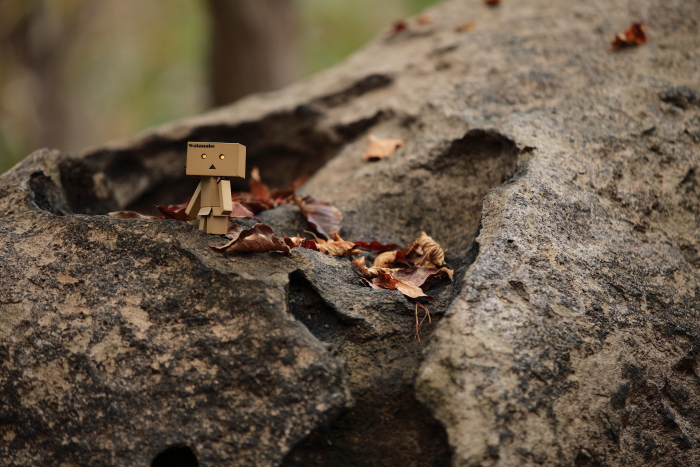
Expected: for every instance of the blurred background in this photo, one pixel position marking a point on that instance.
(76, 73)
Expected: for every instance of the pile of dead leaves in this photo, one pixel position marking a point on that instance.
(410, 270)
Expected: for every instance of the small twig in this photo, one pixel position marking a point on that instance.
(427, 314)
(420, 323)
(315, 237)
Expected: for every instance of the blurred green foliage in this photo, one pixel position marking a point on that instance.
(127, 65)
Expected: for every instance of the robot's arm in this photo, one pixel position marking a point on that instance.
(195, 202)
(225, 197)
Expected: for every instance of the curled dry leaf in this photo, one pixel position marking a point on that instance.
(388, 258)
(361, 264)
(234, 230)
(241, 211)
(378, 149)
(129, 215)
(465, 27)
(257, 188)
(422, 276)
(323, 216)
(258, 238)
(375, 246)
(300, 242)
(338, 247)
(424, 19)
(252, 203)
(634, 35)
(409, 289)
(175, 211)
(432, 254)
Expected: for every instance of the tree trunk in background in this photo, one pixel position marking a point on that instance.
(253, 47)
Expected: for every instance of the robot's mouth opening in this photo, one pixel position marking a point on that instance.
(212, 167)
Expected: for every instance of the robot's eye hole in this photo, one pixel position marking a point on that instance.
(204, 156)
(221, 156)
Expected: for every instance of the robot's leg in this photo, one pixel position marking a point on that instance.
(217, 225)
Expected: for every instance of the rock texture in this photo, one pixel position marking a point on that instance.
(561, 176)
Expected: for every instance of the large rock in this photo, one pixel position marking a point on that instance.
(562, 178)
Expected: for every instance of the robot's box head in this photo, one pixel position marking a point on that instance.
(215, 159)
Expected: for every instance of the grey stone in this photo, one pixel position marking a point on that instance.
(562, 178)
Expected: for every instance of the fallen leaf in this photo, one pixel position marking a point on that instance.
(338, 247)
(398, 26)
(256, 187)
(466, 27)
(258, 238)
(634, 35)
(129, 215)
(492, 2)
(421, 276)
(175, 211)
(409, 289)
(241, 211)
(234, 230)
(253, 203)
(375, 246)
(361, 264)
(431, 254)
(424, 19)
(323, 216)
(378, 149)
(388, 258)
(293, 187)
(300, 242)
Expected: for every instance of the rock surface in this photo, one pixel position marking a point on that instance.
(562, 177)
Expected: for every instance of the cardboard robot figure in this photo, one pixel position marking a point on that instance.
(213, 163)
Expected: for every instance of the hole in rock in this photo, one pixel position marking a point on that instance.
(284, 146)
(176, 456)
(387, 425)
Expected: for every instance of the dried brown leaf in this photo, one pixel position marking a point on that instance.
(422, 276)
(634, 35)
(241, 211)
(375, 246)
(465, 27)
(432, 253)
(258, 238)
(424, 19)
(409, 289)
(387, 259)
(129, 215)
(256, 187)
(361, 264)
(378, 149)
(338, 247)
(301, 242)
(397, 27)
(323, 216)
(175, 211)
